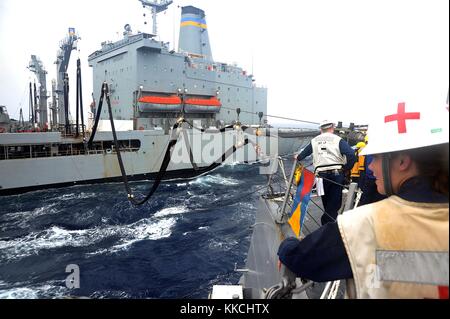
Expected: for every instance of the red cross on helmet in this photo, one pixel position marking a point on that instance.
(407, 125)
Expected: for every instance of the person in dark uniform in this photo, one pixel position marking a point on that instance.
(332, 156)
(397, 247)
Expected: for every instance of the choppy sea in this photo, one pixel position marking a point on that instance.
(188, 238)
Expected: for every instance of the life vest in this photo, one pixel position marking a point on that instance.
(326, 153)
(359, 165)
(397, 249)
(362, 163)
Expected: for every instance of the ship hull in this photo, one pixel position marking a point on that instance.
(20, 175)
(178, 174)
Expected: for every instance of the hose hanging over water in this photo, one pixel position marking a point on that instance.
(66, 104)
(222, 130)
(97, 117)
(165, 164)
(219, 161)
(31, 111)
(79, 102)
(167, 157)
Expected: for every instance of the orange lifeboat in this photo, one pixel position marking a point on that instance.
(198, 105)
(159, 104)
(174, 104)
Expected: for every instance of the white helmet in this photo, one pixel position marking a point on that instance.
(326, 124)
(405, 126)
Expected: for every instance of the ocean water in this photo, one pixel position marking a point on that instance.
(188, 238)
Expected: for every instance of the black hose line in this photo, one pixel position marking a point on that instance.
(164, 165)
(167, 157)
(79, 101)
(222, 130)
(99, 113)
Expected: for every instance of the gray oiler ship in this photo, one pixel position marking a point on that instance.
(151, 87)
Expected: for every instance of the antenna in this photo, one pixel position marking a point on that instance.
(157, 6)
(174, 28)
(253, 63)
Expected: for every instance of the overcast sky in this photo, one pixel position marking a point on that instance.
(320, 59)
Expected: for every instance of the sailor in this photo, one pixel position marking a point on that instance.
(357, 172)
(332, 156)
(367, 183)
(398, 247)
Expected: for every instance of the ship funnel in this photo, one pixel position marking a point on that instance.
(194, 37)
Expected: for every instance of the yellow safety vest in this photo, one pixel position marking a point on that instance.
(359, 165)
(397, 249)
(362, 163)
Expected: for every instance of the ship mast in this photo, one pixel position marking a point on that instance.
(62, 63)
(36, 67)
(157, 6)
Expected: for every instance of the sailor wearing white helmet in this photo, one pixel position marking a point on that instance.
(332, 156)
(396, 248)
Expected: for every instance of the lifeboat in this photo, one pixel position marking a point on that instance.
(174, 104)
(199, 105)
(160, 104)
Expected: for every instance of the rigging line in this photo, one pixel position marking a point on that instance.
(24, 95)
(222, 130)
(212, 131)
(273, 116)
(323, 211)
(291, 119)
(311, 216)
(307, 229)
(331, 181)
(219, 161)
(229, 127)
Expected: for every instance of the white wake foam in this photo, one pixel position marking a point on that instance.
(143, 230)
(56, 237)
(171, 211)
(216, 179)
(26, 216)
(222, 245)
(25, 291)
(53, 237)
(81, 195)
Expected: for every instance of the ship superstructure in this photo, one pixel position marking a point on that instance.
(150, 90)
(149, 81)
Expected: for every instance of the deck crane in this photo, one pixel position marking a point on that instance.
(37, 67)
(67, 45)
